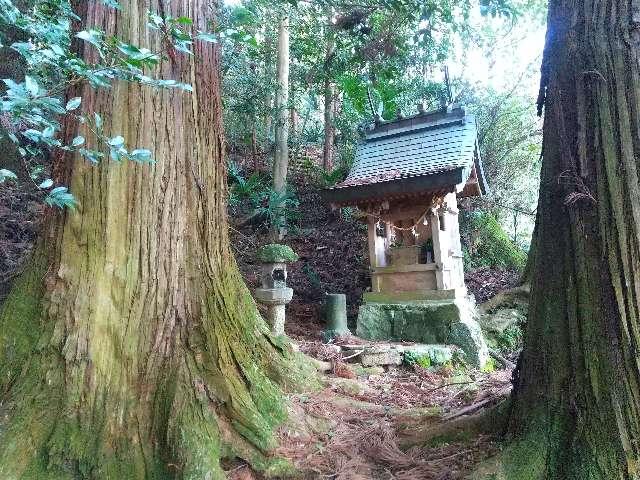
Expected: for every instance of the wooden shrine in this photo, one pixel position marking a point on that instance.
(407, 177)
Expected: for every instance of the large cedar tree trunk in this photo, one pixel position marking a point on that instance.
(131, 348)
(576, 411)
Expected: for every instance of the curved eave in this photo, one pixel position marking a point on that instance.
(398, 188)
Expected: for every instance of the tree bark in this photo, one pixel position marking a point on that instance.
(131, 348)
(281, 159)
(329, 98)
(577, 405)
(329, 128)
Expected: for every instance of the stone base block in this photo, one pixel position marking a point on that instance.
(432, 322)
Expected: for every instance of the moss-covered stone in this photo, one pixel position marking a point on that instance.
(277, 253)
(437, 354)
(503, 328)
(435, 322)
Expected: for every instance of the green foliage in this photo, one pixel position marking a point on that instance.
(60, 197)
(241, 187)
(312, 276)
(6, 175)
(412, 358)
(511, 339)
(276, 253)
(322, 177)
(486, 243)
(490, 366)
(279, 208)
(33, 103)
(510, 138)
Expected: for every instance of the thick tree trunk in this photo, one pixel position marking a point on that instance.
(576, 409)
(130, 348)
(281, 159)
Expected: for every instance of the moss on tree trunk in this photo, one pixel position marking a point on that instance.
(576, 412)
(131, 348)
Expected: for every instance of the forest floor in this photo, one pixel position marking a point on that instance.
(367, 424)
(373, 424)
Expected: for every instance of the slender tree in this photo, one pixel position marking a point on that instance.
(130, 348)
(576, 411)
(281, 159)
(329, 96)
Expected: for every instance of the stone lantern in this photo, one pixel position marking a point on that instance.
(274, 292)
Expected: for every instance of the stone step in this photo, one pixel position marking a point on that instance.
(383, 354)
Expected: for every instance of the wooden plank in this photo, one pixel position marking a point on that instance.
(371, 238)
(434, 221)
(418, 267)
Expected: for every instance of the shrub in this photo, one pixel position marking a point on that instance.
(487, 245)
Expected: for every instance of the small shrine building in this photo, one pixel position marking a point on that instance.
(406, 178)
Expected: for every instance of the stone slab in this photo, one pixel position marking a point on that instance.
(431, 322)
(412, 297)
(375, 355)
(274, 296)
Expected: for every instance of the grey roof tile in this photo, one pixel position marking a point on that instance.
(415, 147)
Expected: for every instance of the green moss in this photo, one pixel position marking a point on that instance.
(491, 245)
(277, 253)
(412, 358)
(20, 320)
(489, 366)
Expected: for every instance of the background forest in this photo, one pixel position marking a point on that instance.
(352, 62)
(348, 63)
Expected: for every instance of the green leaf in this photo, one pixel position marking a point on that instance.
(61, 198)
(73, 104)
(141, 155)
(7, 175)
(79, 140)
(92, 155)
(112, 4)
(94, 37)
(130, 50)
(184, 21)
(207, 37)
(116, 142)
(98, 120)
(48, 183)
(155, 21)
(31, 85)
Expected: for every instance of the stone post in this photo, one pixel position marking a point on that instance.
(335, 315)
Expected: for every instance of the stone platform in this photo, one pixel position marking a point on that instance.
(442, 321)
